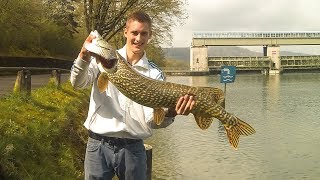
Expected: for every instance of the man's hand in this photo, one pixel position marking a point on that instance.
(84, 53)
(184, 106)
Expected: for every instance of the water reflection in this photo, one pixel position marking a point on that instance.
(199, 80)
(270, 92)
(221, 132)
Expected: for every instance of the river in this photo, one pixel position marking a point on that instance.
(283, 109)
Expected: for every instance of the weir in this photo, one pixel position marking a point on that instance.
(271, 62)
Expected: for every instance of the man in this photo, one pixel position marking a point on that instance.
(116, 124)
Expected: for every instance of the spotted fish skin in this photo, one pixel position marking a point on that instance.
(160, 94)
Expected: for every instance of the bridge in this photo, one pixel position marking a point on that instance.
(270, 62)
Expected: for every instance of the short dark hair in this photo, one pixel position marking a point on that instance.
(139, 16)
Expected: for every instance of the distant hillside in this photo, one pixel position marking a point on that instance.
(183, 53)
(288, 53)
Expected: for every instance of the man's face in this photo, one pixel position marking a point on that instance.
(137, 35)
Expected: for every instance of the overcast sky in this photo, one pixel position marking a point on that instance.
(248, 15)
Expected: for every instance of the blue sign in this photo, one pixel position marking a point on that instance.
(228, 74)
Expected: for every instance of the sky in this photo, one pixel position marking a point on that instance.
(249, 15)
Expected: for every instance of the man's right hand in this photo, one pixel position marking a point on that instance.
(184, 106)
(84, 53)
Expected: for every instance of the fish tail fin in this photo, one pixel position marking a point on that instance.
(234, 132)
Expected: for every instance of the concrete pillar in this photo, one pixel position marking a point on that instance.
(56, 75)
(23, 82)
(274, 53)
(148, 149)
(199, 58)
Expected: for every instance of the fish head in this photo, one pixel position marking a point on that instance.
(105, 55)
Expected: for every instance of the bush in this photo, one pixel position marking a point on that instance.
(42, 136)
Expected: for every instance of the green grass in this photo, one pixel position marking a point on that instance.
(42, 136)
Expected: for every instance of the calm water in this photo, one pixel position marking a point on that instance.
(284, 110)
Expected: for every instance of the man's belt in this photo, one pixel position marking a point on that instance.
(113, 140)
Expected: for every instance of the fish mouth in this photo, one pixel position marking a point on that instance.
(108, 65)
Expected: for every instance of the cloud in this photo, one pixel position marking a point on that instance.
(247, 15)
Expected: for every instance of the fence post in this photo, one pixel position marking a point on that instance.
(23, 82)
(56, 75)
(148, 149)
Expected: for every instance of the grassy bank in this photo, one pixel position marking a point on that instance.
(42, 136)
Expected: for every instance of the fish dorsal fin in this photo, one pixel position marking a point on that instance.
(203, 122)
(102, 82)
(158, 115)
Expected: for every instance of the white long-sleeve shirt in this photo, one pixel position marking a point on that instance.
(111, 113)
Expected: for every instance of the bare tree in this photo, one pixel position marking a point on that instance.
(106, 16)
(109, 16)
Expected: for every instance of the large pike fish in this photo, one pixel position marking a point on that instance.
(159, 94)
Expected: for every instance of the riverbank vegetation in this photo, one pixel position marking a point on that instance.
(58, 28)
(42, 136)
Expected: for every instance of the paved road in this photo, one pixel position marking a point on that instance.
(7, 82)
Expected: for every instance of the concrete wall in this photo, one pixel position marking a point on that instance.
(199, 58)
(274, 53)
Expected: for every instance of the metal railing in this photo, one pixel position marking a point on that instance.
(287, 35)
(34, 62)
(300, 62)
(244, 63)
(255, 63)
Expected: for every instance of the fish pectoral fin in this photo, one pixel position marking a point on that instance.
(203, 122)
(102, 82)
(158, 115)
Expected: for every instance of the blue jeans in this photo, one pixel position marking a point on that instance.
(104, 160)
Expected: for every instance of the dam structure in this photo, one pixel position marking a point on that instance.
(270, 63)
